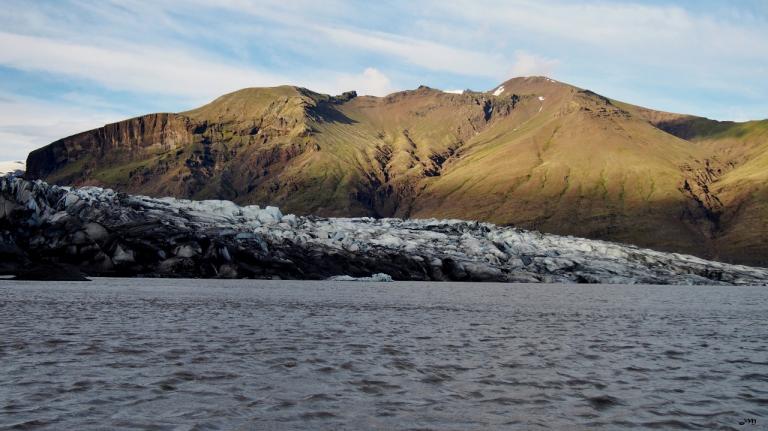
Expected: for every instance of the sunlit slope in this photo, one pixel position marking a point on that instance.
(577, 165)
(294, 149)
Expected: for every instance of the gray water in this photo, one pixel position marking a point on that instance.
(205, 355)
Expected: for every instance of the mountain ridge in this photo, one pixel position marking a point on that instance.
(531, 152)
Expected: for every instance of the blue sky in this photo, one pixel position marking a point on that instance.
(71, 65)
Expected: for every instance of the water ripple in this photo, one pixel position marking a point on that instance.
(213, 355)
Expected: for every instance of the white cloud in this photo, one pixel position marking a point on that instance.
(640, 32)
(371, 82)
(140, 68)
(29, 124)
(313, 23)
(421, 52)
(163, 68)
(152, 70)
(529, 65)
(12, 166)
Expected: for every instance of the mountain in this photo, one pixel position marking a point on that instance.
(532, 152)
(16, 167)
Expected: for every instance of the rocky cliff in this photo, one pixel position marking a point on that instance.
(105, 233)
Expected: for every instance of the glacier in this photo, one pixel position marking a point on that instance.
(106, 233)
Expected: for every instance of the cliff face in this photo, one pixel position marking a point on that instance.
(532, 152)
(121, 142)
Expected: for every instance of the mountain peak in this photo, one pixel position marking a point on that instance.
(256, 102)
(530, 85)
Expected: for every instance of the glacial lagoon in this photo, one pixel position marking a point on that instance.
(159, 354)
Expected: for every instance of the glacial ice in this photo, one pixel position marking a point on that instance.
(124, 234)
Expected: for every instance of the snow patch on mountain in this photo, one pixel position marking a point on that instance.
(499, 91)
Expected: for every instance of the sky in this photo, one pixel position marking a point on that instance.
(72, 65)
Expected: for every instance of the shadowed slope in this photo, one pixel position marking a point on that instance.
(729, 179)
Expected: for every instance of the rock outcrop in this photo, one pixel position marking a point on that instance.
(105, 233)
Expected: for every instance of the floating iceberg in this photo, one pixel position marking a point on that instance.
(378, 278)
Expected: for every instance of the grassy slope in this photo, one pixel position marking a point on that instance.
(738, 153)
(578, 166)
(743, 188)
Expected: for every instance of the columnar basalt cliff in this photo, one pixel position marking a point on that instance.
(115, 143)
(533, 153)
(101, 232)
